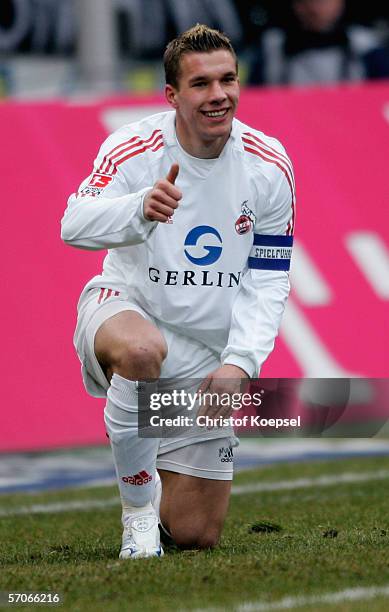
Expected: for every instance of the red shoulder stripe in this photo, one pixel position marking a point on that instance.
(259, 152)
(108, 155)
(116, 159)
(107, 164)
(153, 146)
(262, 142)
(270, 151)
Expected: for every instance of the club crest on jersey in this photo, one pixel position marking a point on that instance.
(243, 224)
(246, 221)
(97, 183)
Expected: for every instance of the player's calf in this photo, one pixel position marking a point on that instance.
(193, 509)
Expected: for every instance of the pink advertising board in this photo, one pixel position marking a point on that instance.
(337, 318)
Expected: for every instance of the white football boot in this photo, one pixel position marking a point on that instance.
(140, 536)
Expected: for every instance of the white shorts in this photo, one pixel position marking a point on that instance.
(212, 459)
(187, 359)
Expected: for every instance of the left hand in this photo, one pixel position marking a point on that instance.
(226, 380)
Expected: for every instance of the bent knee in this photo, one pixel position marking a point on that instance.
(135, 358)
(142, 359)
(143, 351)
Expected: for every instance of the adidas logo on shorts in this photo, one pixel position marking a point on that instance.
(225, 454)
(140, 478)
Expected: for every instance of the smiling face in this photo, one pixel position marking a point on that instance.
(205, 101)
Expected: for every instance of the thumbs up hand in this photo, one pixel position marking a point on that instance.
(173, 173)
(161, 202)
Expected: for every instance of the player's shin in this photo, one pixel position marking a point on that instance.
(134, 457)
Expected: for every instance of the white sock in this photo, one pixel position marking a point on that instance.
(134, 457)
(156, 500)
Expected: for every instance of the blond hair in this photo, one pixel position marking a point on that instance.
(198, 39)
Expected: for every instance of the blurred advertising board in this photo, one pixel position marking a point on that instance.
(336, 319)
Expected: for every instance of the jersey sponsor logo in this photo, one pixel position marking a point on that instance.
(271, 252)
(138, 479)
(190, 278)
(97, 183)
(197, 241)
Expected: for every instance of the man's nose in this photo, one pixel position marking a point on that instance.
(217, 92)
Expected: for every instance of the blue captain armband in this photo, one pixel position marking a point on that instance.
(270, 252)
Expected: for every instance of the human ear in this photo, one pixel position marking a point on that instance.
(170, 94)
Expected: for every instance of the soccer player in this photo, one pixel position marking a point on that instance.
(196, 210)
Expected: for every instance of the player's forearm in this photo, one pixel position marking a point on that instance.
(105, 223)
(256, 318)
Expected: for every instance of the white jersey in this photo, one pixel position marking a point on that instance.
(218, 270)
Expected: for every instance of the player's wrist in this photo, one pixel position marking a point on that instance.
(235, 371)
(145, 194)
(244, 364)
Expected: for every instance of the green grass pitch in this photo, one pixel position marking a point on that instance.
(296, 542)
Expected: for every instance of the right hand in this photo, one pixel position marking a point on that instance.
(161, 202)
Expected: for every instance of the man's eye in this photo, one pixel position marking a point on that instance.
(199, 84)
